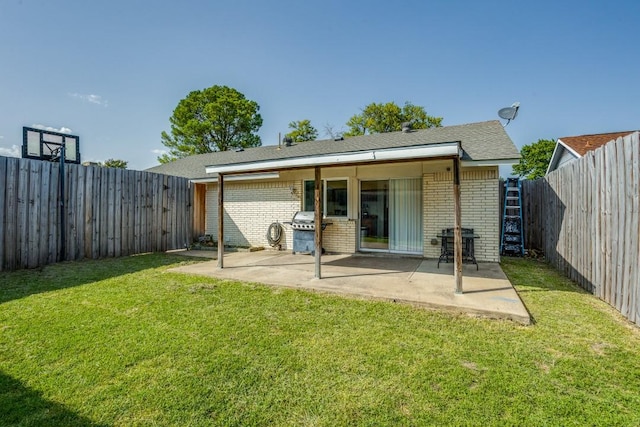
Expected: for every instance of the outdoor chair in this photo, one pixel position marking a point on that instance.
(447, 246)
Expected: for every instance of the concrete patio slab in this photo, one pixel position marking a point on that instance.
(417, 281)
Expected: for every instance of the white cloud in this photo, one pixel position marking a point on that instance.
(159, 152)
(52, 129)
(91, 98)
(14, 151)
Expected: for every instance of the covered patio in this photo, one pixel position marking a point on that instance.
(415, 281)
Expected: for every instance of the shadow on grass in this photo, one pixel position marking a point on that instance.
(24, 406)
(530, 275)
(22, 283)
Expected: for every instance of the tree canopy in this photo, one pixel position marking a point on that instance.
(218, 118)
(389, 117)
(114, 163)
(535, 158)
(302, 130)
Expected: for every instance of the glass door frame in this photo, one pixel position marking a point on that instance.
(360, 216)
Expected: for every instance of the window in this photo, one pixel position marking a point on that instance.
(309, 188)
(335, 201)
(334, 197)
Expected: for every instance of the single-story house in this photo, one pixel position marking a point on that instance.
(569, 148)
(390, 192)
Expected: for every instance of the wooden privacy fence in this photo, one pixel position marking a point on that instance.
(584, 216)
(108, 212)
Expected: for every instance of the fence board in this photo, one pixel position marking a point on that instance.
(609, 270)
(149, 209)
(111, 211)
(623, 277)
(88, 212)
(127, 233)
(633, 187)
(102, 226)
(131, 219)
(173, 220)
(594, 224)
(164, 211)
(117, 212)
(99, 246)
(70, 187)
(33, 214)
(78, 212)
(603, 226)
(138, 201)
(42, 219)
(3, 185)
(158, 212)
(619, 193)
(53, 219)
(11, 219)
(23, 217)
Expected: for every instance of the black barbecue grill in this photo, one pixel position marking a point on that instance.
(304, 231)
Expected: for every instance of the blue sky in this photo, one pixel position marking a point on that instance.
(113, 71)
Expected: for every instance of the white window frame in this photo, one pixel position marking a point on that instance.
(324, 196)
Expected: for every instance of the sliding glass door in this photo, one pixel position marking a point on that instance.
(391, 215)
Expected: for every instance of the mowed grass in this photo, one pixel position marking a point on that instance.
(127, 342)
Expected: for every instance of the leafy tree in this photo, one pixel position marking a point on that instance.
(114, 163)
(214, 119)
(534, 159)
(302, 131)
(389, 117)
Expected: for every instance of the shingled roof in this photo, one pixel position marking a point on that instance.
(480, 142)
(584, 143)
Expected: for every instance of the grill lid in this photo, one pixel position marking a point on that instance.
(303, 217)
(304, 220)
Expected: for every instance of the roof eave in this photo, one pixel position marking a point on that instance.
(240, 177)
(490, 162)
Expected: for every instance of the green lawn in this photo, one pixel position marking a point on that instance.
(125, 342)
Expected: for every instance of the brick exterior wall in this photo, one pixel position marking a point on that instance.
(249, 210)
(479, 205)
(250, 207)
(340, 236)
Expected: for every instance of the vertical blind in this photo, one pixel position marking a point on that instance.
(405, 214)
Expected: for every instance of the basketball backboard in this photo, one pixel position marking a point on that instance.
(45, 145)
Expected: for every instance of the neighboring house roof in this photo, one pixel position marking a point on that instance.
(481, 143)
(574, 147)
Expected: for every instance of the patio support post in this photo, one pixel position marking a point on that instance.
(220, 221)
(317, 219)
(457, 230)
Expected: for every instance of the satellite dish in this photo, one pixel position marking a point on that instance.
(509, 113)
